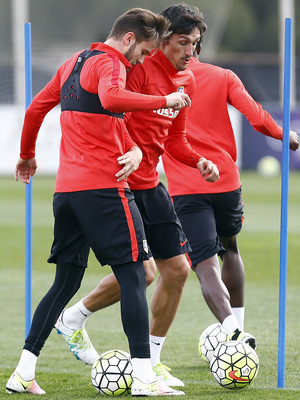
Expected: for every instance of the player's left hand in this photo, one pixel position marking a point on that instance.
(131, 161)
(208, 170)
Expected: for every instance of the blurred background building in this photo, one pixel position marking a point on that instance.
(245, 36)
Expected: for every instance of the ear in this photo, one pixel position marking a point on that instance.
(165, 41)
(198, 49)
(129, 38)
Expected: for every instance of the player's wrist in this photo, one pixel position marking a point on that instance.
(201, 159)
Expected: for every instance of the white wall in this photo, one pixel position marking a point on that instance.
(47, 150)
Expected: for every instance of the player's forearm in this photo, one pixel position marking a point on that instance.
(179, 148)
(117, 99)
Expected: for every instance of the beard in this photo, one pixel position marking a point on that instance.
(129, 52)
(181, 66)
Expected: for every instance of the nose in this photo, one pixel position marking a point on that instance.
(190, 49)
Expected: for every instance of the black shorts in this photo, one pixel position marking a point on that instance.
(207, 217)
(163, 229)
(105, 220)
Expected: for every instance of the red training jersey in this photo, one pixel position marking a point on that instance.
(210, 132)
(90, 143)
(149, 128)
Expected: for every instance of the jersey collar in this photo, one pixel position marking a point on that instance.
(111, 50)
(165, 62)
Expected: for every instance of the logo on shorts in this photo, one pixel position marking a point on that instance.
(145, 246)
(183, 243)
(180, 89)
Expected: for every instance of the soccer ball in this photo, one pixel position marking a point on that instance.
(209, 340)
(269, 167)
(234, 364)
(112, 373)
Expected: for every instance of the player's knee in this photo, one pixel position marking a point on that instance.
(181, 271)
(186, 269)
(68, 278)
(230, 244)
(174, 271)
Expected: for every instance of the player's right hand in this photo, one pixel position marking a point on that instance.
(130, 162)
(178, 100)
(208, 170)
(25, 169)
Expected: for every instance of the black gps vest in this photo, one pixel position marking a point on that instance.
(74, 98)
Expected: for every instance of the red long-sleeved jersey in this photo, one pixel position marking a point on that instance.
(209, 130)
(150, 128)
(90, 143)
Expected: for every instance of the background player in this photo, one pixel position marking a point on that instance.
(212, 215)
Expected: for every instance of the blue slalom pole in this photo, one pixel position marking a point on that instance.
(28, 190)
(284, 202)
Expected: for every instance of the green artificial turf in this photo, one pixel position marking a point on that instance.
(65, 378)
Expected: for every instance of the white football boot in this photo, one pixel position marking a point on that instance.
(162, 372)
(155, 388)
(16, 384)
(79, 342)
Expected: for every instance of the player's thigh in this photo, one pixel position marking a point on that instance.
(162, 226)
(229, 209)
(112, 225)
(69, 244)
(196, 213)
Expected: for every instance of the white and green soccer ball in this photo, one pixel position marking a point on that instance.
(210, 339)
(234, 364)
(112, 373)
(269, 167)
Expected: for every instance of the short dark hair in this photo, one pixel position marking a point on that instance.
(145, 25)
(184, 19)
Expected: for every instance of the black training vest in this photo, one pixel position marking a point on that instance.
(74, 98)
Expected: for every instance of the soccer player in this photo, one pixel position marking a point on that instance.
(212, 215)
(161, 72)
(93, 206)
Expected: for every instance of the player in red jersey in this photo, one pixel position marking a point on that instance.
(212, 215)
(93, 206)
(161, 72)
